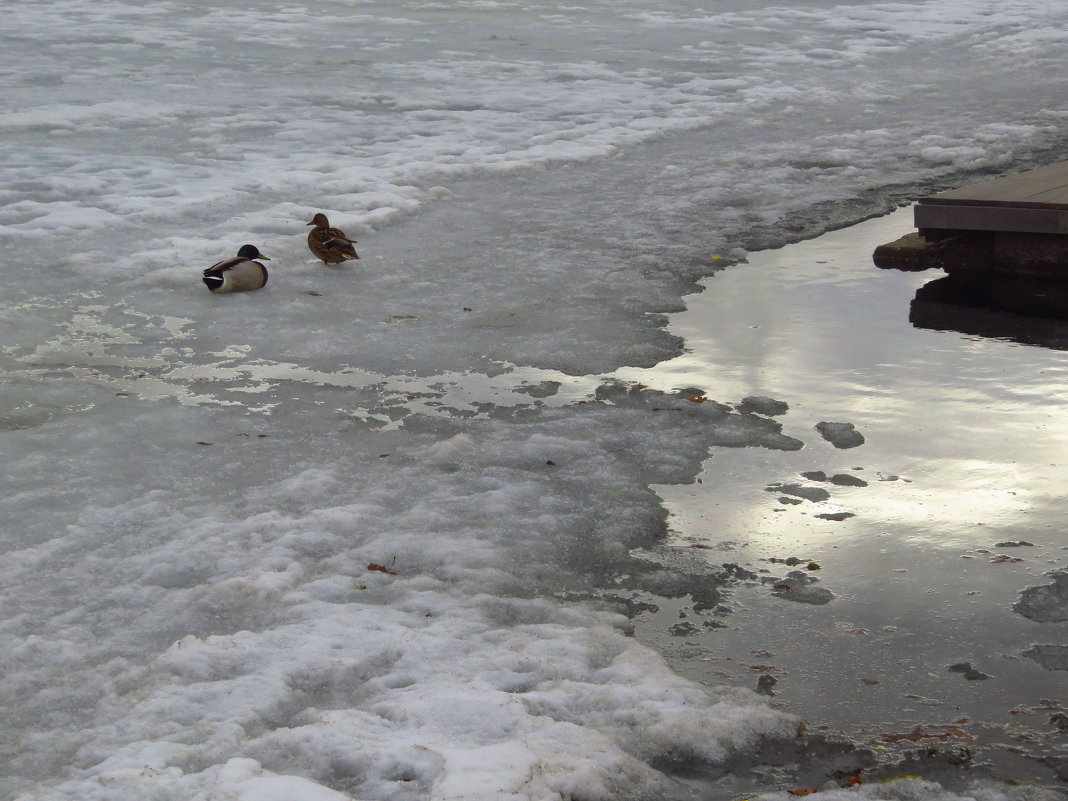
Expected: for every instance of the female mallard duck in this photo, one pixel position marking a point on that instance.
(239, 274)
(330, 244)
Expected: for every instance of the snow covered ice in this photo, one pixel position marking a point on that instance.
(196, 486)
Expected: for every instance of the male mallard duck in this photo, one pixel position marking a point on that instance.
(330, 244)
(239, 274)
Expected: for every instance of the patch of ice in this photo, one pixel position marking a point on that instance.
(814, 494)
(841, 435)
(761, 404)
(1051, 657)
(799, 587)
(1048, 603)
(969, 672)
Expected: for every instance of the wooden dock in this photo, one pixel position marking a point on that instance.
(1032, 202)
(1005, 240)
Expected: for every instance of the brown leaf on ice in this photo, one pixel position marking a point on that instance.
(698, 399)
(853, 781)
(803, 790)
(381, 569)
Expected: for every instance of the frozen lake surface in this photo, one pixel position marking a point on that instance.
(383, 532)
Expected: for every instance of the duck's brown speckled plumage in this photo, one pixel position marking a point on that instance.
(330, 244)
(239, 274)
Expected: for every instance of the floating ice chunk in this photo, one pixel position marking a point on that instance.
(684, 628)
(761, 404)
(838, 517)
(798, 587)
(543, 389)
(814, 494)
(846, 480)
(690, 399)
(970, 672)
(1046, 604)
(841, 435)
(1051, 657)
(838, 479)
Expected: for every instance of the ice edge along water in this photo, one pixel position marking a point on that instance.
(189, 611)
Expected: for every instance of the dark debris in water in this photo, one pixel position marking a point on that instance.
(798, 587)
(814, 494)
(838, 479)
(836, 516)
(969, 672)
(840, 435)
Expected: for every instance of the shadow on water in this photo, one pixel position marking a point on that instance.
(950, 304)
(919, 540)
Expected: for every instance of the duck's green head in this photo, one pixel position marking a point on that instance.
(251, 252)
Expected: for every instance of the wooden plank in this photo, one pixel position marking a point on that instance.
(1042, 188)
(991, 218)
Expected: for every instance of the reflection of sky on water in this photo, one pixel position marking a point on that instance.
(816, 325)
(965, 448)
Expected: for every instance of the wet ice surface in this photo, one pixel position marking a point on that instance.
(953, 513)
(375, 532)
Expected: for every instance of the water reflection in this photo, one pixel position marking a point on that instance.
(964, 451)
(949, 304)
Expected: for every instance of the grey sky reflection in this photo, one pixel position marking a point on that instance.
(965, 448)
